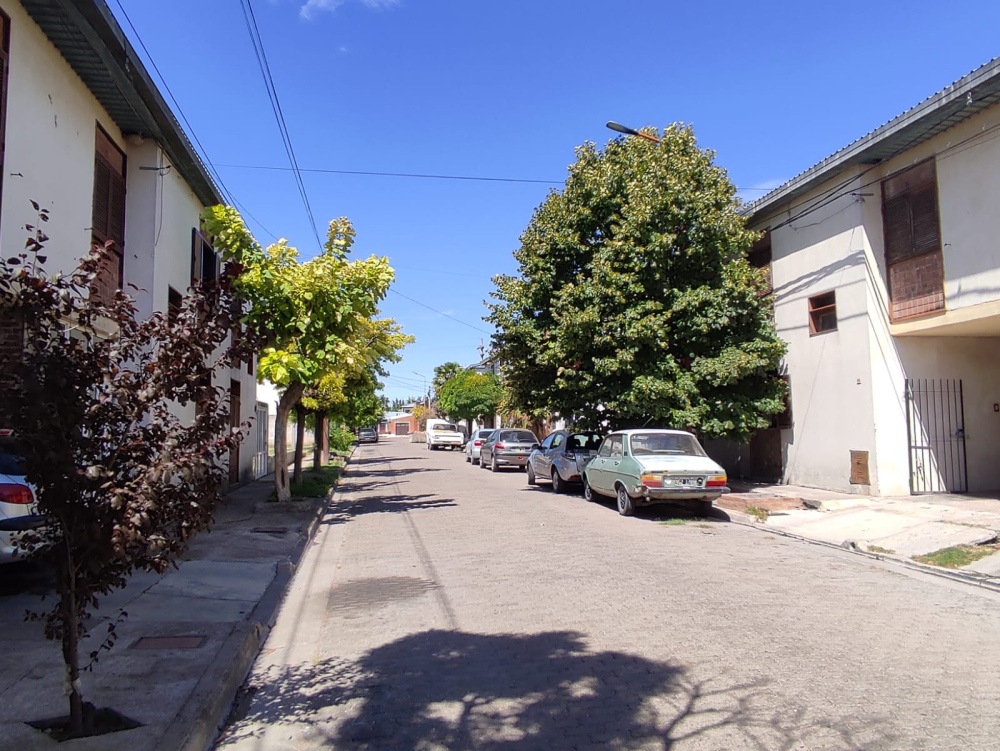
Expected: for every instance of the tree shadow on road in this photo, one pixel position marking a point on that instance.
(547, 691)
(341, 511)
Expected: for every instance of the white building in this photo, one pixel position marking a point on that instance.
(885, 263)
(86, 134)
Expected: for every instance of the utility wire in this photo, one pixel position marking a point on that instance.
(475, 178)
(226, 193)
(265, 69)
(421, 175)
(439, 312)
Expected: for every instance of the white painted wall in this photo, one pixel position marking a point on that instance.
(829, 372)
(52, 120)
(50, 137)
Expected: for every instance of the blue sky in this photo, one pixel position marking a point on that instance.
(507, 90)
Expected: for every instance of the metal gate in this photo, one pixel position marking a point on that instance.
(935, 430)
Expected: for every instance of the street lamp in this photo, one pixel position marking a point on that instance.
(619, 128)
(427, 395)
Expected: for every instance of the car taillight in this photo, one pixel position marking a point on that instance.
(499, 446)
(652, 481)
(14, 493)
(716, 481)
(477, 443)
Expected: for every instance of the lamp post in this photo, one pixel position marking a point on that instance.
(619, 128)
(427, 395)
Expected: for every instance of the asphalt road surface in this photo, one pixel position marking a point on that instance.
(443, 606)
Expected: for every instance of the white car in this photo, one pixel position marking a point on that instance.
(474, 448)
(17, 502)
(645, 466)
(444, 434)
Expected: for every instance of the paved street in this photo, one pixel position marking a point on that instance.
(442, 606)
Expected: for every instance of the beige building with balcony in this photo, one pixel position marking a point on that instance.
(885, 263)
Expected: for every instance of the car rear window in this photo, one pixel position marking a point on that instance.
(518, 436)
(445, 428)
(11, 464)
(584, 441)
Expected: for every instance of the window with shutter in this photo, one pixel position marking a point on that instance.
(204, 261)
(4, 62)
(911, 226)
(108, 223)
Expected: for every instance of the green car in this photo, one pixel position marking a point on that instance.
(647, 466)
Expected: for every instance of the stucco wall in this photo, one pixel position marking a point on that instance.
(831, 392)
(52, 120)
(50, 137)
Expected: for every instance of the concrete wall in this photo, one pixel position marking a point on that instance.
(829, 373)
(51, 127)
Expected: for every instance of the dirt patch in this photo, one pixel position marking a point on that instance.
(770, 504)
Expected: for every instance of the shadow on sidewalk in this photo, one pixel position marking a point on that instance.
(447, 689)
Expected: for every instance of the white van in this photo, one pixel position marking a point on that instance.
(442, 433)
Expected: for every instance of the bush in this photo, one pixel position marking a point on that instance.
(341, 438)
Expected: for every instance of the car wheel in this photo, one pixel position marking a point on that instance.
(589, 494)
(531, 475)
(474, 460)
(482, 464)
(558, 486)
(704, 508)
(626, 506)
(494, 467)
(468, 458)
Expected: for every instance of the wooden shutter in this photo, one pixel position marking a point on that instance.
(102, 199)
(911, 226)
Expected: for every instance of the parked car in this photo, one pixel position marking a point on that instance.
(646, 466)
(17, 501)
(474, 447)
(507, 447)
(367, 435)
(561, 458)
(443, 434)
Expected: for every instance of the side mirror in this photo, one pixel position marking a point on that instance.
(534, 446)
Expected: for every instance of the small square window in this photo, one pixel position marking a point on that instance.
(823, 313)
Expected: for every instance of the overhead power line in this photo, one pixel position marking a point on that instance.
(419, 175)
(226, 193)
(439, 312)
(258, 47)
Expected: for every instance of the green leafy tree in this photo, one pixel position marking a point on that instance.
(121, 481)
(470, 395)
(635, 302)
(310, 318)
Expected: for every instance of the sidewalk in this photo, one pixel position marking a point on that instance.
(186, 645)
(901, 527)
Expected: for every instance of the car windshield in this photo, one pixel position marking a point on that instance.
(665, 443)
(583, 442)
(518, 436)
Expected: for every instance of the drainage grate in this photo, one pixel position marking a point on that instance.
(169, 642)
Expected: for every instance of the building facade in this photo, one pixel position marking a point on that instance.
(86, 135)
(885, 266)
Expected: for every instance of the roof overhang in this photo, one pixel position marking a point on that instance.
(87, 35)
(936, 114)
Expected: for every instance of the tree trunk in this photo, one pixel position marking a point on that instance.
(317, 449)
(324, 440)
(71, 643)
(300, 439)
(289, 399)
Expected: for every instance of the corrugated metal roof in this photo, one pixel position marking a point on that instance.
(87, 35)
(961, 100)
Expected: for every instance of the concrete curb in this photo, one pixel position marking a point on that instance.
(197, 725)
(982, 581)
